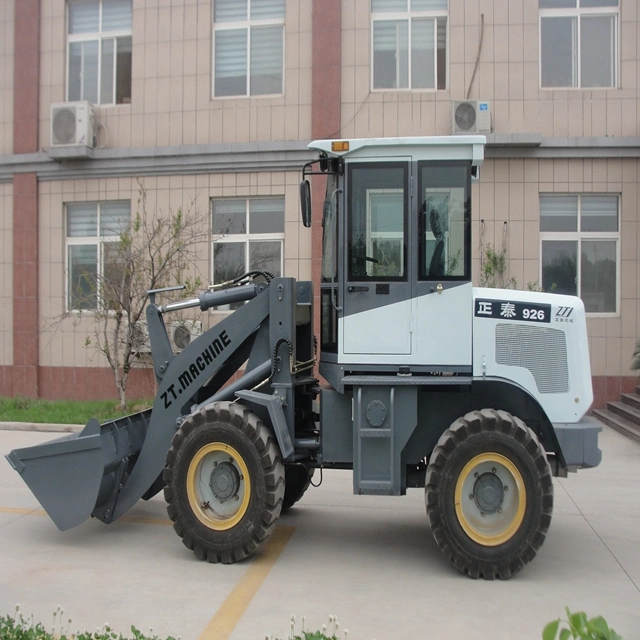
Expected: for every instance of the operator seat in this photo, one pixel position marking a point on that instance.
(436, 266)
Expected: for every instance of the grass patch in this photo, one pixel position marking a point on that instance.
(22, 409)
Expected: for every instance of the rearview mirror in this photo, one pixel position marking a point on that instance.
(305, 202)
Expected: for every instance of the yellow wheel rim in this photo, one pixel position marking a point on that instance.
(218, 486)
(490, 499)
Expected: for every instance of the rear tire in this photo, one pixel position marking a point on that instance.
(297, 479)
(224, 483)
(489, 494)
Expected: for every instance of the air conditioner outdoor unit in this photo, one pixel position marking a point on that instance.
(471, 116)
(182, 332)
(140, 343)
(72, 124)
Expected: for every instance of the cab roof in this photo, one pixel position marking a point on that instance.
(418, 147)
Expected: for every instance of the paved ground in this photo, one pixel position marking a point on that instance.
(370, 561)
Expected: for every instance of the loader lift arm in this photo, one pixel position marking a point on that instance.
(108, 468)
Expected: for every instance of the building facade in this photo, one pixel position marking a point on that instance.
(208, 105)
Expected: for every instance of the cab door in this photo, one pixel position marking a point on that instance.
(376, 318)
(444, 293)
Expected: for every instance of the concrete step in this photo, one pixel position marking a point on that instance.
(632, 399)
(623, 426)
(625, 411)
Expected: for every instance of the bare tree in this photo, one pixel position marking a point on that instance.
(156, 250)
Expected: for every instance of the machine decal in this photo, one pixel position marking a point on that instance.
(509, 310)
(209, 354)
(563, 314)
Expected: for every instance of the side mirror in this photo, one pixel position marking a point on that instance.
(305, 202)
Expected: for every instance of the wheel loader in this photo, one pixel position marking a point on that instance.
(418, 380)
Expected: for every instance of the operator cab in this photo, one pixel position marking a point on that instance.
(396, 293)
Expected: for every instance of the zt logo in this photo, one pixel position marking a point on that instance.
(564, 312)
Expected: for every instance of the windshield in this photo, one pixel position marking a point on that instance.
(330, 229)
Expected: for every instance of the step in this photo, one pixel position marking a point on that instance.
(632, 399)
(625, 411)
(626, 428)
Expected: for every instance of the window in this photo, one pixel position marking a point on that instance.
(579, 238)
(377, 222)
(248, 235)
(99, 52)
(409, 39)
(248, 48)
(443, 226)
(93, 230)
(578, 43)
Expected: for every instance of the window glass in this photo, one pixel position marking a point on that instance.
(428, 5)
(84, 16)
(114, 218)
(265, 256)
(229, 10)
(443, 226)
(116, 15)
(262, 9)
(228, 261)
(330, 231)
(123, 77)
(599, 213)
(598, 3)
(229, 217)
(82, 220)
(266, 60)
(558, 44)
(390, 54)
(266, 216)
(556, 4)
(231, 62)
(422, 54)
(108, 65)
(558, 213)
(82, 270)
(596, 61)
(388, 5)
(598, 275)
(377, 222)
(559, 266)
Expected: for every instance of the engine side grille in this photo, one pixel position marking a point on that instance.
(541, 350)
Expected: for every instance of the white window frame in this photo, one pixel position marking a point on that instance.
(248, 237)
(408, 16)
(97, 241)
(248, 25)
(577, 13)
(580, 236)
(99, 35)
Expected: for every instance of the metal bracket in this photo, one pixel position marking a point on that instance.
(274, 405)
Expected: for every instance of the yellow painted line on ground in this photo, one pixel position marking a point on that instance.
(41, 512)
(23, 512)
(223, 623)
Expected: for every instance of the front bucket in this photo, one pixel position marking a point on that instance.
(64, 474)
(81, 474)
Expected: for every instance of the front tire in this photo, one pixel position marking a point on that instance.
(297, 478)
(489, 494)
(224, 483)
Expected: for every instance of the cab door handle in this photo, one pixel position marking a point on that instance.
(353, 289)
